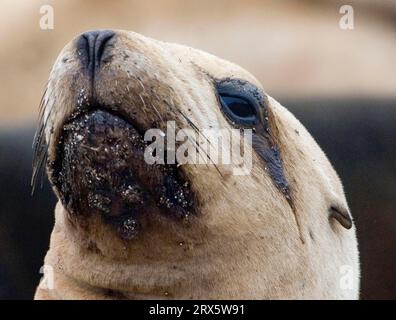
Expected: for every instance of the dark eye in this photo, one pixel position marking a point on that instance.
(239, 110)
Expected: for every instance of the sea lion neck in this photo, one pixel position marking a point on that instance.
(110, 268)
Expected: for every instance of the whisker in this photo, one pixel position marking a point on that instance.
(194, 127)
(39, 144)
(157, 112)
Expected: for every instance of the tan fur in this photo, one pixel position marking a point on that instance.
(244, 244)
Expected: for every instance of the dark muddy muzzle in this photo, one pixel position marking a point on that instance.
(100, 169)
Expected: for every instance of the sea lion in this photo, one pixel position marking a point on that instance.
(127, 229)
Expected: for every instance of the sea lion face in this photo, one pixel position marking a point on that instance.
(106, 90)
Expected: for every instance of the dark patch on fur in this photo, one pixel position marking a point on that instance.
(92, 247)
(100, 169)
(270, 153)
(311, 235)
(115, 294)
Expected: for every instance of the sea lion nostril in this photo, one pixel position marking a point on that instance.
(91, 47)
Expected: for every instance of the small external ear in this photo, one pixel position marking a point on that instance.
(341, 215)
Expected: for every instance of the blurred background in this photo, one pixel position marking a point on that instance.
(341, 84)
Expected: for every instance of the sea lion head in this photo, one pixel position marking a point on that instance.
(107, 89)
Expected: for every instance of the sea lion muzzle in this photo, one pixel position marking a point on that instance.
(100, 169)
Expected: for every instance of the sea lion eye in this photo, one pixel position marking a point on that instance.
(239, 101)
(238, 110)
